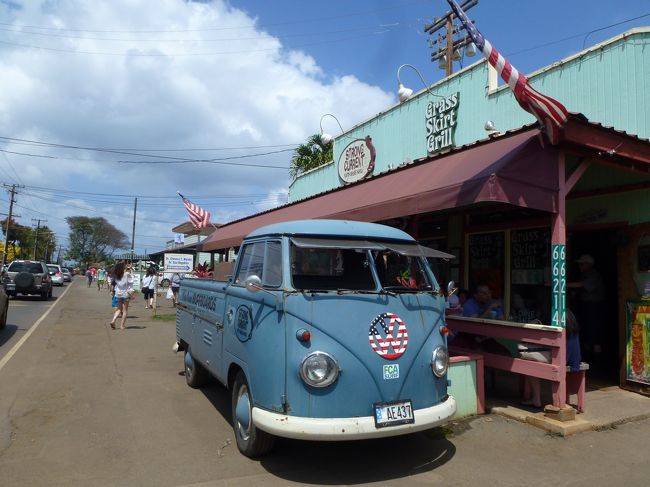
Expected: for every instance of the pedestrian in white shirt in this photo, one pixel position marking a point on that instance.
(123, 291)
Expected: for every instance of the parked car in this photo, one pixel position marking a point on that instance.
(67, 275)
(56, 273)
(4, 303)
(28, 277)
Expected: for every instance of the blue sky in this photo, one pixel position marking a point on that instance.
(145, 81)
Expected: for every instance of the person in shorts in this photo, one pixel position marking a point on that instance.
(101, 278)
(175, 285)
(123, 290)
(148, 287)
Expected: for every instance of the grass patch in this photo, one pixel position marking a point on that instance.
(165, 317)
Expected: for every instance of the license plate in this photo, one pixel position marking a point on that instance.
(393, 413)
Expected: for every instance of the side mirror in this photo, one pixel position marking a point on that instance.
(253, 284)
(451, 288)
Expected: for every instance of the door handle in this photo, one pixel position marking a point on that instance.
(229, 315)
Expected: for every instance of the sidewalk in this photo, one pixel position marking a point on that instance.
(604, 408)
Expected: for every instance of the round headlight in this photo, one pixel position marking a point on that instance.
(319, 369)
(440, 361)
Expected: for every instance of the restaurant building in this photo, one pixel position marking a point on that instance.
(516, 210)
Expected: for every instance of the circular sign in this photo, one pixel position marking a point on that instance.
(395, 338)
(243, 324)
(357, 160)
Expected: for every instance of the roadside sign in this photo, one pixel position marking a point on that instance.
(179, 263)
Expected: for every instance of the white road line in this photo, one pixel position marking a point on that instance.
(15, 348)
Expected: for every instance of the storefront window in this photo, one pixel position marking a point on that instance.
(530, 263)
(486, 262)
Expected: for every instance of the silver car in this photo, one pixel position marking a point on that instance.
(56, 273)
(67, 275)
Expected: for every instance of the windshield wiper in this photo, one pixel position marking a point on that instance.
(403, 289)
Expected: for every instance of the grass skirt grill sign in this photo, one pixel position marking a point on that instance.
(357, 160)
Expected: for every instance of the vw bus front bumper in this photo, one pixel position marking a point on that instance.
(340, 429)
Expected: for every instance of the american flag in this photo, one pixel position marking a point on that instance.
(198, 216)
(381, 345)
(550, 113)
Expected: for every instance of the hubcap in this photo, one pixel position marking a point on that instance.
(188, 366)
(243, 412)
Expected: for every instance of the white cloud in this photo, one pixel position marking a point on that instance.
(248, 92)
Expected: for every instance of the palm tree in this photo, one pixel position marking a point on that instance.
(309, 155)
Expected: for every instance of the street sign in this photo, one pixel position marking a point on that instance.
(179, 262)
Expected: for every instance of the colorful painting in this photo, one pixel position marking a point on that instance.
(637, 352)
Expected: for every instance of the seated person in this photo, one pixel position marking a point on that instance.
(481, 304)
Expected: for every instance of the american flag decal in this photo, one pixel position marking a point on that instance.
(395, 337)
(550, 113)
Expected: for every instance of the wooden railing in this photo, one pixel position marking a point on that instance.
(548, 336)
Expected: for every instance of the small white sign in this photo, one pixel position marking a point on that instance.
(357, 160)
(136, 281)
(391, 371)
(179, 262)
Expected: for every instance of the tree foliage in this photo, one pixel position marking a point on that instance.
(311, 154)
(93, 239)
(21, 241)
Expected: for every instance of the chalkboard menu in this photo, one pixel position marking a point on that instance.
(486, 261)
(530, 255)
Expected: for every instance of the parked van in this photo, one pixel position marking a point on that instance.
(327, 330)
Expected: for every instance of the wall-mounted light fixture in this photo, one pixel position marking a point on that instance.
(490, 128)
(326, 138)
(405, 93)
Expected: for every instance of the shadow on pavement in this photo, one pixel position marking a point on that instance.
(8, 331)
(346, 462)
(358, 462)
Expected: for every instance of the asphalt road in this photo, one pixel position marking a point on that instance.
(84, 405)
(24, 311)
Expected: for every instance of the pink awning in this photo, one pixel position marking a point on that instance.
(515, 169)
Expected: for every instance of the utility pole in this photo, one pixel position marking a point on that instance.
(449, 52)
(47, 249)
(38, 227)
(12, 200)
(58, 256)
(135, 209)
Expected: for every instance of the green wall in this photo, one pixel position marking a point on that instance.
(607, 83)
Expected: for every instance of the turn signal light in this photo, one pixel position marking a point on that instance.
(303, 335)
(444, 331)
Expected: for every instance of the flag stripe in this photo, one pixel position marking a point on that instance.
(550, 113)
(199, 217)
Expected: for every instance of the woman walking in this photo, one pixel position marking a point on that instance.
(148, 287)
(123, 290)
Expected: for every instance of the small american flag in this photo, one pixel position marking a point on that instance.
(198, 216)
(398, 342)
(550, 113)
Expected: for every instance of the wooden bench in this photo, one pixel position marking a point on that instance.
(548, 336)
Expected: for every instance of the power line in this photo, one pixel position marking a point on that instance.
(127, 152)
(174, 197)
(130, 53)
(18, 141)
(211, 29)
(261, 36)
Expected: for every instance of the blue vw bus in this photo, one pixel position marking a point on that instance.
(327, 330)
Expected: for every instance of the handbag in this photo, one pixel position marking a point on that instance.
(170, 293)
